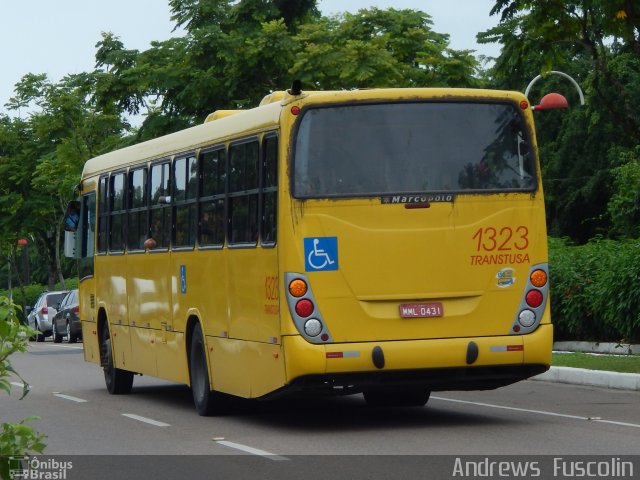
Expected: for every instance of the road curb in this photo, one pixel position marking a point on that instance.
(592, 378)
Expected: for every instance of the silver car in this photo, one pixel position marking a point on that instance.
(40, 316)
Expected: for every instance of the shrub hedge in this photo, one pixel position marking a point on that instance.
(595, 294)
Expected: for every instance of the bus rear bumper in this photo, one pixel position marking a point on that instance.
(437, 364)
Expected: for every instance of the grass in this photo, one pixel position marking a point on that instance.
(612, 363)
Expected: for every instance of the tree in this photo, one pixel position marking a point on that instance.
(379, 48)
(596, 42)
(43, 157)
(234, 53)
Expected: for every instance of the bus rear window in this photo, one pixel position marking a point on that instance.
(394, 148)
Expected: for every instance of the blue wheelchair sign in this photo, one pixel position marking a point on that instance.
(320, 254)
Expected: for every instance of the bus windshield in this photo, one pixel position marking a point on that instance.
(394, 148)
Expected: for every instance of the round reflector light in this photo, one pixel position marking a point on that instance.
(534, 298)
(538, 278)
(526, 318)
(313, 327)
(524, 104)
(304, 308)
(298, 288)
(295, 110)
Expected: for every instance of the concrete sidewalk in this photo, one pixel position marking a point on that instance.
(592, 378)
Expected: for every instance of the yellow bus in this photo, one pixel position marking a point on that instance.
(390, 242)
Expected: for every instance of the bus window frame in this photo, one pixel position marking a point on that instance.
(175, 203)
(529, 131)
(159, 206)
(202, 199)
(246, 193)
(144, 209)
(268, 190)
(122, 213)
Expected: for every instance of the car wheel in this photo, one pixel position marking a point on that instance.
(57, 338)
(118, 381)
(70, 337)
(40, 335)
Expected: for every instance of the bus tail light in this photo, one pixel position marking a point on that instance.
(304, 309)
(533, 302)
(313, 327)
(298, 288)
(534, 298)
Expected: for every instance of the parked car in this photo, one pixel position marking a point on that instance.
(40, 315)
(66, 323)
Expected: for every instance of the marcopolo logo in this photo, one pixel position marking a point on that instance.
(33, 468)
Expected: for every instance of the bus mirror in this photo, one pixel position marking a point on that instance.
(551, 101)
(70, 250)
(72, 216)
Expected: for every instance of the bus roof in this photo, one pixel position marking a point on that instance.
(185, 140)
(225, 124)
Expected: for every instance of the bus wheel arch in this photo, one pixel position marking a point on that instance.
(206, 400)
(117, 381)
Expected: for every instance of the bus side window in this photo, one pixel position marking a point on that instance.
(269, 190)
(213, 168)
(160, 216)
(244, 161)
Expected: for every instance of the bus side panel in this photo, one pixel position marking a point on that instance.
(258, 368)
(88, 316)
(149, 286)
(111, 295)
(253, 294)
(199, 284)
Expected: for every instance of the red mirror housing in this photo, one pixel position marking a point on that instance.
(551, 101)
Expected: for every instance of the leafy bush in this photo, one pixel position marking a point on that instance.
(16, 439)
(594, 294)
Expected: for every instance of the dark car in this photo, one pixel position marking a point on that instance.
(67, 322)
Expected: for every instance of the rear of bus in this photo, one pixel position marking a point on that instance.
(413, 252)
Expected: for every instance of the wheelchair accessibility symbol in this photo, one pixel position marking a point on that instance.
(321, 254)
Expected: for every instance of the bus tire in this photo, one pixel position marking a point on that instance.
(414, 397)
(118, 381)
(206, 401)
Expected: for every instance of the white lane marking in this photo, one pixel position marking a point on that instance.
(17, 384)
(251, 450)
(69, 397)
(624, 424)
(73, 347)
(538, 412)
(150, 421)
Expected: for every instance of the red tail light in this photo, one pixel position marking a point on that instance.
(76, 309)
(304, 308)
(45, 310)
(534, 298)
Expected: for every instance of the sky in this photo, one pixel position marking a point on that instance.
(59, 37)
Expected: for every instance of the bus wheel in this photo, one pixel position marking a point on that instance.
(416, 397)
(118, 381)
(207, 402)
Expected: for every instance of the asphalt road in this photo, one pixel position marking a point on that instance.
(329, 438)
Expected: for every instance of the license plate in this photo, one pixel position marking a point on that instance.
(421, 310)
